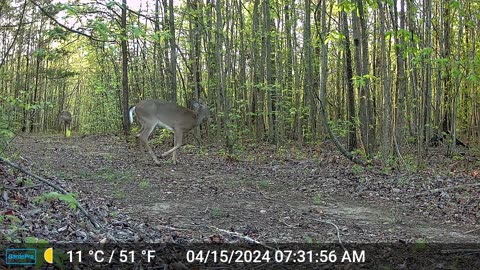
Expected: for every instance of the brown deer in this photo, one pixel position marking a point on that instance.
(151, 113)
(64, 120)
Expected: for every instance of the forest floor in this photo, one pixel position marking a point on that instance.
(271, 195)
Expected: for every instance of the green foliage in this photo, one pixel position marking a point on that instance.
(340, 128)
(317, 199)
(101, 29)
(395, 219)
(137, 32)
(359, 152)
(217, 212)
(161, 137)
(357, 169)
(40, 52)
(12, 219)
(57, 33)
(112, 175)
(361, 81)
(61, 73)
(411, 163)
(264, 184)
(6, 132)
(402, 181)
(458, 157)
(24, 182)
(308, 239)
(119, 194)
(334, 36)
(420, 244)
(422, 55)
(100, 109)
(347, 6)
(14, 227)
(472, 78)
(35, 240)
(144, 184)
(52, 196)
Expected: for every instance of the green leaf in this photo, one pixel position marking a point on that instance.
(110, 4)
(40, 52)
(69, 199)
(472, 78)
(334, 36)
(347, 6)
(102, 29)
(388, 35)
(34, 240)
(137, 32)
(70, 10)
(455, 4)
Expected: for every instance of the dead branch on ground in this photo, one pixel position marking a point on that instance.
(244, 237)
(336, 228)
(445, 189)
(54, 186)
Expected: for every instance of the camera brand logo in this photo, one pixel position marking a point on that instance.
(21, 256)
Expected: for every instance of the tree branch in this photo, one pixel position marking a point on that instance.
(334, 138)
(464, 186)
(92, 220)
(5, 55)
(66, 27)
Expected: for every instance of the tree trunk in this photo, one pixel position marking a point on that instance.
(308, 72)
(270, 79)
(173, 52)
(427, 123)
(123, 42)
(386, 89)
(257, 95)
(352, 135)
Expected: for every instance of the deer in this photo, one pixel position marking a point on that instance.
(151, 113)
(65, 118)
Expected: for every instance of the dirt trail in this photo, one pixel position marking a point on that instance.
(270, 198)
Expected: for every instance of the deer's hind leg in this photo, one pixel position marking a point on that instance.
(177, 143)
(143, 139)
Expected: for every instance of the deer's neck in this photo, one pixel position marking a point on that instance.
(198, 118)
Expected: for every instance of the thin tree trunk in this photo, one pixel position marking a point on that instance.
(352, 136)
(257, 95)
(123, 43)
(269, 77)
(427, 124)
(173, 52)
(308, 72)
(386, 90)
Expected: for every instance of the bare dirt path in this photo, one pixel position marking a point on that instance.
(267, 195)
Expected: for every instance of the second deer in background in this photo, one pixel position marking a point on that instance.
(64, 120)
(151, 113)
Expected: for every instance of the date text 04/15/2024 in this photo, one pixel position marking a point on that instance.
(277, 256)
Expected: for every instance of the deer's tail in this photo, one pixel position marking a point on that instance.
(131, 112)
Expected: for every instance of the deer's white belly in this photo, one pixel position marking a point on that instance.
(163, 125)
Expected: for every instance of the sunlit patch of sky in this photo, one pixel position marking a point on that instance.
(132, 4)
(75, 22)
(135, 5)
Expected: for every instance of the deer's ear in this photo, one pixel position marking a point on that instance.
(195, 105)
